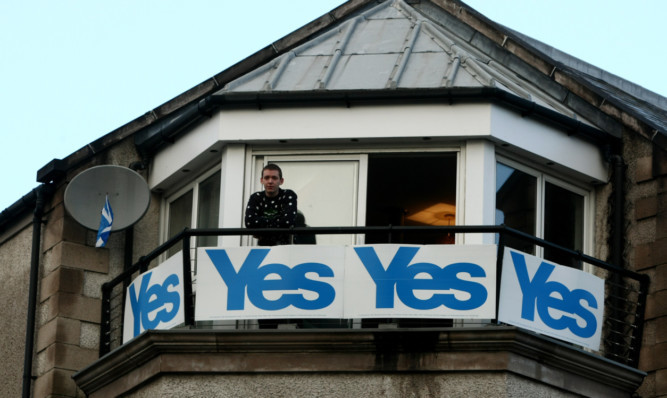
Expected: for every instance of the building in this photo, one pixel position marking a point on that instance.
(373, 96)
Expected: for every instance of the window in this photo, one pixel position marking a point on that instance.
(375, 189)
(378, 189)
(538, 205)
(413, 190)
(199, 202)
(327, 187)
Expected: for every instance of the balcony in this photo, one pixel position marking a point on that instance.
(366, 351)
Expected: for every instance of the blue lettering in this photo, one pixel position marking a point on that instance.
(153, 298)
(478, 293)
(399, 278)
(543, 295)
(253, 279)
(577, 296)
(385, 280)
(236, 282)
(530, 289)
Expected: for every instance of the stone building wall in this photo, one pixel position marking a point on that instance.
(72, 273)
(646, 234)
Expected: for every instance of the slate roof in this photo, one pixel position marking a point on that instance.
(389, 46)
(648, 106)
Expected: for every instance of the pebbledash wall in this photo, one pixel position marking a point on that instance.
(15, 274)
(490, 360)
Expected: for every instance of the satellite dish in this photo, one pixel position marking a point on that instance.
(128, 194)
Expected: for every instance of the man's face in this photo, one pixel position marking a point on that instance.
(271, 181)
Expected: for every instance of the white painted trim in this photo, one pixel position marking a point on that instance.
(167, 199)
(231, 192)
(480, 191)
(362, 194)
(398, 126)
(544, 143)
(169, 161)
(542, 175)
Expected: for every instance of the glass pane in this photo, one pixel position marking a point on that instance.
(516, 197)
(180, 216)
(412, 190)
(563, 223)
(208, 208)
(327, 196)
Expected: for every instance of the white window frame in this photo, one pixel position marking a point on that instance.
(172, 196)
(543, 176)
(361, 154)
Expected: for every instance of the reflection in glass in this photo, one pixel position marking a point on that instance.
(208, 208)
(327, 195)
(563, 223)
(516, 198)
(180, 217)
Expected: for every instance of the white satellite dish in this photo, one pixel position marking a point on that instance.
(128, 194)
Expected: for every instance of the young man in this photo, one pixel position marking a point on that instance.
(272, 208)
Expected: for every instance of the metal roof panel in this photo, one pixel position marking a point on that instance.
(389, 46)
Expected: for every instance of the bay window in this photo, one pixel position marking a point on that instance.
(195, 206)
(539, 205)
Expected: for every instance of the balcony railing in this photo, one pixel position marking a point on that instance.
(625, 290)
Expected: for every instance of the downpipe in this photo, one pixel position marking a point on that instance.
(40, 200)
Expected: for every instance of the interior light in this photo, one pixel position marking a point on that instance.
(439, 214)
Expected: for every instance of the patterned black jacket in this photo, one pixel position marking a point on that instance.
(276, 212)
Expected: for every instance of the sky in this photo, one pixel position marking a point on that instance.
(72, 71)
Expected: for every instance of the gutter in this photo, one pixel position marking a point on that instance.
(21, 206)
(164, 132)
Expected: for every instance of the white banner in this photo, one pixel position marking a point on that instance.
(551, 299)
(407, 281)
(154, 300)
(303, 281)
(435, 281)
(372, 281)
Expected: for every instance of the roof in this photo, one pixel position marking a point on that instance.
(389, 46)
(443, 38)
(647, 105)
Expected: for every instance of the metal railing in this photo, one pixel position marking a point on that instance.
(625, 302)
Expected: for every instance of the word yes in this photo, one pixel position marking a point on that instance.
(152, 298)
(537, 294)
(253, 276)
(401, 275)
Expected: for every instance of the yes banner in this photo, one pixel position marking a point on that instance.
(372, 281)
(432, 281)
(154, 300)
(281, 281)
(551, 299)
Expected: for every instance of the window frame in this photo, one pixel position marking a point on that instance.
(169, 198)
(362, 153)
(544, 176)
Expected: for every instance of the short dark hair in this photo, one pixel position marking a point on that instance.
(273, 166)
